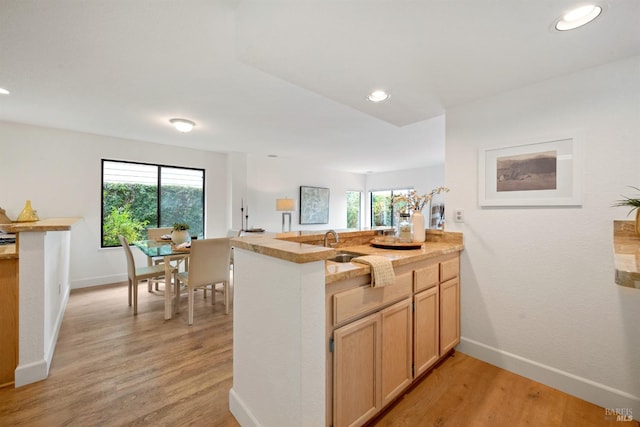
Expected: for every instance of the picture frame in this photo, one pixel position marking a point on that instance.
(314, 205)
(544, 172)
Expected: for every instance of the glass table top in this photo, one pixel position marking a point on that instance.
(154, 248)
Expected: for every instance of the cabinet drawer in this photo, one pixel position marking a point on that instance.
(426, 277)
(449, 269)
(354, 302)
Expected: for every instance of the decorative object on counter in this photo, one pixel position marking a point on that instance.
(437, 216)
(417, 220)
(28, 214)
(416, 203)
(286, 206)
(634, 204)
(314, 205)
(395, 245)
(405, 228)
(4, 219)
(244, 217)
(180, 233)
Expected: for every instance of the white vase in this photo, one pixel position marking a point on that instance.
(180, 236)
(417, 219)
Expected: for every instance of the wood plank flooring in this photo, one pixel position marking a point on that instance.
(113, 369)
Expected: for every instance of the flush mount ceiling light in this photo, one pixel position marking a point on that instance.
(4, 91)
(578, 17)
(182, 125)
(378, 96)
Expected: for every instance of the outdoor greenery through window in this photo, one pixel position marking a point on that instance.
(137, 196)
(383, 213)
(354, 203)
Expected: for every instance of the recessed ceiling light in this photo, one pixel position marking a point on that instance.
(378, 96)
(4, 91)
(182, 125)
(578, 17)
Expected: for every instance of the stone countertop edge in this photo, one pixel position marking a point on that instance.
(626, 247)
(438, 243)
(50, 224)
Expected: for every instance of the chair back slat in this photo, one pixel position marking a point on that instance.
(131, 264)
(209, 261)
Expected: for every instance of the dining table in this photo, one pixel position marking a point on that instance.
(169, 252)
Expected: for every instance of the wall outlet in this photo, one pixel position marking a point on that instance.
(458, 215)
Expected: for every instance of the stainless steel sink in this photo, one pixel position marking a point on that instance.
(345, 256)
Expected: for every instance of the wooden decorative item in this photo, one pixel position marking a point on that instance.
(4, 219)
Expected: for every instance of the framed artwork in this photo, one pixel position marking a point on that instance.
(314, 205)
(543, 173)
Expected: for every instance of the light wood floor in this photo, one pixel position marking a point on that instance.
(113, 369)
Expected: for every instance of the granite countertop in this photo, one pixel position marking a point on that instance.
(626, 248)
(51, 224)
(280, 246)
(336, 271)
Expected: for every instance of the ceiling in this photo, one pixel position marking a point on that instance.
(288, 78)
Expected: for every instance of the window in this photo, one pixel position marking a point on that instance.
(354, 204)
(383, 213)
(137, 196)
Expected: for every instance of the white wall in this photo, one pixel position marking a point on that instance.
(60, 172)
(269, 179)
(538, 291)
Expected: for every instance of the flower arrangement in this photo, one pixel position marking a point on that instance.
(416, 202)
(180, 226)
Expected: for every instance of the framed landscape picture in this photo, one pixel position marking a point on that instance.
(545, 173)
(314, 205)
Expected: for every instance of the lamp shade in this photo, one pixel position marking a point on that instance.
(285, 205)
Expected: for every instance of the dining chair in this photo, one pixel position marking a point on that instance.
(138, 274)
(208, 267)
(231, 233)
(156, 234)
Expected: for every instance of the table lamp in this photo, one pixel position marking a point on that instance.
(285, 206)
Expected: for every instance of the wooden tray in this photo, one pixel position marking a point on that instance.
(397, 246)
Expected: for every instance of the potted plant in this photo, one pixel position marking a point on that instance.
(634, 204)
(180, 233)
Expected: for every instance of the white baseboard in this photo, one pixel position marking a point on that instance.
(240, 411)
(39, 370)
(98, 280)
(583, 388)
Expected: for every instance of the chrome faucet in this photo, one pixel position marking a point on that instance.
(326, 237)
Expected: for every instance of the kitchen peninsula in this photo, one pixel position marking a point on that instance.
(316, 345)
(34, 280)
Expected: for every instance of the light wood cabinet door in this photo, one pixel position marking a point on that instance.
(449, 315)
(8, 320)
(397, 343)
(356, 370)
(426, 332)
